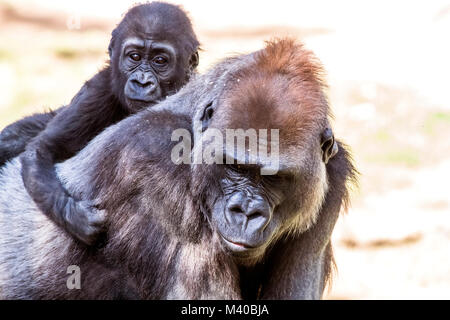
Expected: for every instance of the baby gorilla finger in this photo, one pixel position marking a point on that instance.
(84, 221)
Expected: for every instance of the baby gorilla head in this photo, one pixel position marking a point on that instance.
(153, 51)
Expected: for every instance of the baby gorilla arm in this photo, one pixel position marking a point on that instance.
(15, 137)
(63, 137)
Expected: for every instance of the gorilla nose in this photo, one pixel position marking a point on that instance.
(143, 87)
(253, 210)
(255, 213)
(143, 83)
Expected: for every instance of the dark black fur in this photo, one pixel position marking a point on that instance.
(120, 89)
(14, 138)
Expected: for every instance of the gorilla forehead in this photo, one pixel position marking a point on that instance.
(147, 44)
(156, 20)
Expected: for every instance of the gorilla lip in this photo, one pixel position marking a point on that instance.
(144, 100)
(238, 244)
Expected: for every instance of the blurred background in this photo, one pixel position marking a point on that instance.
(388, 69)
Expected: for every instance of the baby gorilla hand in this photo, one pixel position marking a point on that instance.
(83, 220)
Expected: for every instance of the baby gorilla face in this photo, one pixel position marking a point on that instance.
(150, 70)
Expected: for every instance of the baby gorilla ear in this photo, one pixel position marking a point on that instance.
(207, 116)
(111, 43)
(328, 145)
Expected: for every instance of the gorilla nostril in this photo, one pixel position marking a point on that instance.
(254, 214)
(143, 84)
(259, 208)
(236, 209)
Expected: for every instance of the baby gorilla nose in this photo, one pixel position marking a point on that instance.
(143, 86)
(144, 83)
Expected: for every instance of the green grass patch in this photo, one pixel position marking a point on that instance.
(406, 157)
(70, 53)
(383, 136)
(22, 99)
(4, 54)
(67, 53)
(435, 120)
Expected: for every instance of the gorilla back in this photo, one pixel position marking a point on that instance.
(195, 231)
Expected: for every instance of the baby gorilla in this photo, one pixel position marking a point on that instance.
(153, 52)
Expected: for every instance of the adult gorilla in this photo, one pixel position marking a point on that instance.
(195, 231)
(153, 52)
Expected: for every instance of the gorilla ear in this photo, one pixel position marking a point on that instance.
(111, 43)
(194, 60)
(328, 145)
(110, 48)
(207, 116)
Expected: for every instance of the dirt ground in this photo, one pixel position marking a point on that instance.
(388, 67)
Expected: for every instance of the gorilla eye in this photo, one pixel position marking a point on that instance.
(135, 56)
(160, 60)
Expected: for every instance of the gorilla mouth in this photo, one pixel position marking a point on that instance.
(236, 246)
(137, 104)
(143, 100)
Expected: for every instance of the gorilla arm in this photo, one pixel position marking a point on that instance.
(15, 137)
(64, 136)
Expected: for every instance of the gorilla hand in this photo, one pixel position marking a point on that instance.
(83, 220)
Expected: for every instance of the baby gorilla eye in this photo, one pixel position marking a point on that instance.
(159, 60)
(135, 56)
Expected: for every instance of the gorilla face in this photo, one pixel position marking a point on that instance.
(252, 210)
(149, 67)
(153, 52)
(245, 216)
(255, 209)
